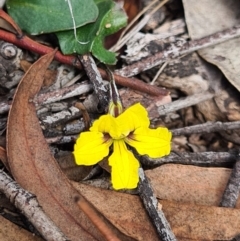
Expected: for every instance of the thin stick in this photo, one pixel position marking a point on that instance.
(27, 203)
(207, 128)
(63, 93)
(231, 193)
(159, 72)
(151, 205)
(175, 51)
(96, 79)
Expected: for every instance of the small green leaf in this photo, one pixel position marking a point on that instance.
(111, 18)
(46, 16)
(114, 20)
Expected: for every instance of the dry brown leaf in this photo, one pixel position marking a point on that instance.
(188, 221)
(207, 17)
(34, 168)
(49, 76)
(191, 184)
(12, 232)
(202, 222)
(3, 157)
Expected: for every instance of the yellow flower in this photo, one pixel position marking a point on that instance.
(131, 128)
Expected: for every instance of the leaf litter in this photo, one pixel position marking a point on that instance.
(188, 195)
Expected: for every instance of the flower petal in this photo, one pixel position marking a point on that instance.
(107, 124)
(124, 167)
(91, 147)
(132, 118)
(152, 142)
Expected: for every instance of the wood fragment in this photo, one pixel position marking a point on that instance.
(96, 79)
(60, 117)
(231, 192)
(29, 206)
(175, 51)
(151, 205)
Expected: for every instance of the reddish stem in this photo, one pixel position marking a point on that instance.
(29, 44)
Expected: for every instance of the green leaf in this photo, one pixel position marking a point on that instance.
(111, 18)
(114, 20)
(46, 16)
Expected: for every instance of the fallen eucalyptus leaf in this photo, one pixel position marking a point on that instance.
(188, 221)
(190, 184)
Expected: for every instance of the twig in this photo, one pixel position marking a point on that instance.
(60, 117)
(31, 45)
(185, 102)
(207, 128)
(231, 193)
(27, 203)
(53, 96)
(159, 72)
(151, 204)
(96, 79)
(61, 94)
(175, 51)
(214, 159)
